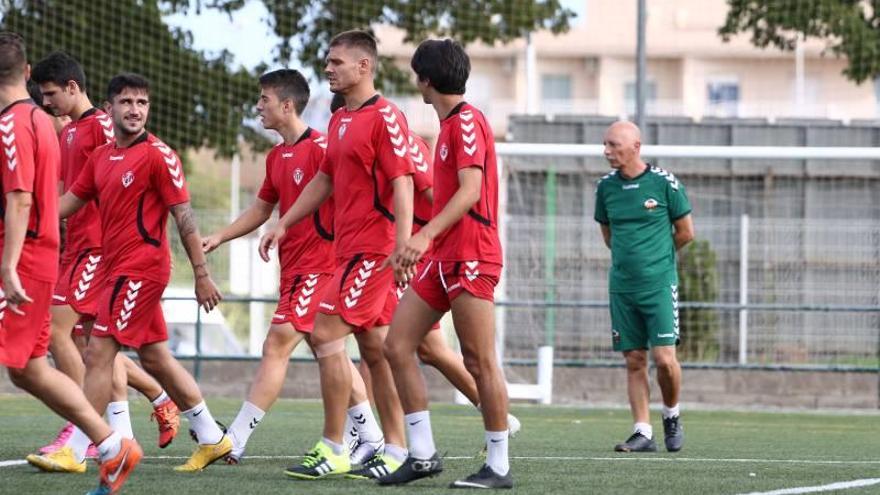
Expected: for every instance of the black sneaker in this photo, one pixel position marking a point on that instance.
(486, 477)
(413, 469)
(673, 433)
(637, 443)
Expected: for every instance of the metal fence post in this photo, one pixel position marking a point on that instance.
(743, 288)
(550, 257)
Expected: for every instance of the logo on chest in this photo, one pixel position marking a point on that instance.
(127, 178)
(70, 134)
(650, 204)
(298, 175)
(444, 151)
(343, 128)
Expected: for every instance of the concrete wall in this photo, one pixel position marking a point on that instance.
(601, 386)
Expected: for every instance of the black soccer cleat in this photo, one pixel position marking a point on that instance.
(486, 477)
(673, 433)
(637, 443)
(413, 469)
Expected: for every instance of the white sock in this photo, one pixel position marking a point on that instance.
(159, 400)
(421, 438)
(496, 441)
(109, 447)
(337, 448)
(119, 418)
(203, 424)
(350, 434)
(645, 429)
(79, 443)
(670, 412)
(365, 422)
(249, 416)
(395, 452)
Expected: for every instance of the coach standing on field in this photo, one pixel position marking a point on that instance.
(644, 214)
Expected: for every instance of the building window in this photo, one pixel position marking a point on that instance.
(555, 87)
(722, 98)
(629, 95)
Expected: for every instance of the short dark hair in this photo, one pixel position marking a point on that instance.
(13, 57)
(289, 84)
(444, 64)
(357, 39)
(122, 82)
(337, 102)
(59, 68)
(33, 90)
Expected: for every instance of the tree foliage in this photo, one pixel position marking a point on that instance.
(196, 99)
(698, 282)
(850, 28)
(305, 27)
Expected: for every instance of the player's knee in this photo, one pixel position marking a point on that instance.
(666, 361)
(277, 345)
(479, 364)
(18, 377)
(326, 349)
(427, 355)
(636, 360)
(373, 355)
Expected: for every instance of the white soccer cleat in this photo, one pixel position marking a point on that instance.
(365, 451)
(513, 425)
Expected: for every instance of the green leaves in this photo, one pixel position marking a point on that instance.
(850, 28)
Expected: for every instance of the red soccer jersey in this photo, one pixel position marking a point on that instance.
(423, 180)
(134, 186)
(308, 246)
(466, 140)
(367, 149)
(78, 140)
(30, 163)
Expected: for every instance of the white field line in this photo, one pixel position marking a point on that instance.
(843, 485)
(570, 458)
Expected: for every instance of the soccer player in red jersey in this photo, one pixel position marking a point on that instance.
(137, 180)
(62, 83)
(367, 169)
(306, 253)
(463, 268)
(29, 173)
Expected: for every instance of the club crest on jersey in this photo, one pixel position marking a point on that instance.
(444, 151)
(342, 129)
(298, 175)
(650, 203)
(70, 136)
(127, 178)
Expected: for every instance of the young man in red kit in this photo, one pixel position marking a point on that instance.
(81, 274)
(464, 265)
(433, 350)
(367, 169)
(29, 172)
(306, 254)
(136, 181)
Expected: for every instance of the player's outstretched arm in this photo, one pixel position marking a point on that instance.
(18, 210)
(470, 181)
(684, 231)
(207, 293)
(313, 195)
(69, 204)
(255, 215)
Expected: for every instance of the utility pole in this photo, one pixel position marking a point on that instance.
(641, 62)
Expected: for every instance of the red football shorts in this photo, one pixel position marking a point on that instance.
(80, 280)
(392, 302)
(438, 283)
(130, 311)
(359, 291)
(300, 297)
(24, 337)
